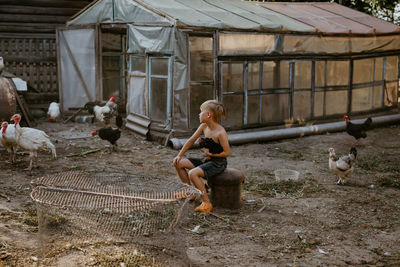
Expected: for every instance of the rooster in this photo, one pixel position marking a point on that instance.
(102, 113)
(108, 133)
(342, 166)
(53, 114)
(357, 130)
(7, 137)
(32, 140)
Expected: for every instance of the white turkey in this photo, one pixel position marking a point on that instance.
(7, 137)
(31, 140)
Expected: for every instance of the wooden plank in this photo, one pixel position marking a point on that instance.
(22, 106)
(47, 3)
(29, 28)
(40, 96)
(26, 18)
(58, 11)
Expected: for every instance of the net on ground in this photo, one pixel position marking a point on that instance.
(76, 205)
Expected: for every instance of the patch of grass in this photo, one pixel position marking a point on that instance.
(388, 181)
(287, 189)
(381, 162)
(30, 217)
(293, 154)
(55, 220)
(134, 259)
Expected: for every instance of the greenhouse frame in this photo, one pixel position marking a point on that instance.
(271, 64)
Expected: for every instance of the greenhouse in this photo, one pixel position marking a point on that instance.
(271, 64)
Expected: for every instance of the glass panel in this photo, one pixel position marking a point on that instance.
(253, 108)
(318, 104)
(302, 105)
(159, 66)
(198, 95)
(284, 75)
(337, 73)
(201, 58)
(254, 75)
(268, 74)
(111, 76)
(302, 74)
(363, 70)
(378, 68)
(320, 73)
(336, 102)
(275, 107)
(138, 65)
(245, 43)
(361, 99)
(159, 99)
(234, 110)
(232, 77)
(391, 94)
(136, 102)
(377, 96)
(391, 68)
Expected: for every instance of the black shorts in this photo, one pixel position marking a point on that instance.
(210, 167)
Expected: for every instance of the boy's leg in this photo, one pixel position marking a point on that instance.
(181, 170)
(195, 176)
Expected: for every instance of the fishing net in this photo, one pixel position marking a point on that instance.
(82, 207)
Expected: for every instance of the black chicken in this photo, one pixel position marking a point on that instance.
(119, 121)
(357, 130)
(108, 133)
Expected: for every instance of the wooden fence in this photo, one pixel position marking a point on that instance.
(33, 60)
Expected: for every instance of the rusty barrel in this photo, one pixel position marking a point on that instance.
(226, 188)
(8, 102)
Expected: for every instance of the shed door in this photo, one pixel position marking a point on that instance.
(78, 67)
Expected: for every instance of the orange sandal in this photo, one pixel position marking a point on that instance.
(204, 207)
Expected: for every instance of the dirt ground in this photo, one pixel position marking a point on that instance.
(311, 222)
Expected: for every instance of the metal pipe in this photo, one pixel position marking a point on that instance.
(269, 135)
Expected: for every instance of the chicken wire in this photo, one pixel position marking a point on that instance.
(76, 206)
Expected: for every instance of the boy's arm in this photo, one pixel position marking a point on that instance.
(191, 140)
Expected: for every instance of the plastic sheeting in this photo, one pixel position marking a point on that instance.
(332, 18)
(81, 43)
(144, 39)
(118, 11)
(219, 14)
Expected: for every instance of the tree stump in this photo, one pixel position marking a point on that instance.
(226, 188)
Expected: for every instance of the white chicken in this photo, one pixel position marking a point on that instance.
(342, 166)
(7, 137)
(53, 113)
(102, 113)
(32, 140)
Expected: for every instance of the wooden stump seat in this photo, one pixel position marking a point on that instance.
(226, 188)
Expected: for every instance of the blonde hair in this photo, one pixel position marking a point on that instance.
(215, 107)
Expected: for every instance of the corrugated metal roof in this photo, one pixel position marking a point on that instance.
(332, 18)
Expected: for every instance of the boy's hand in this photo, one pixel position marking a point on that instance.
(176, 160)
(206, 151)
